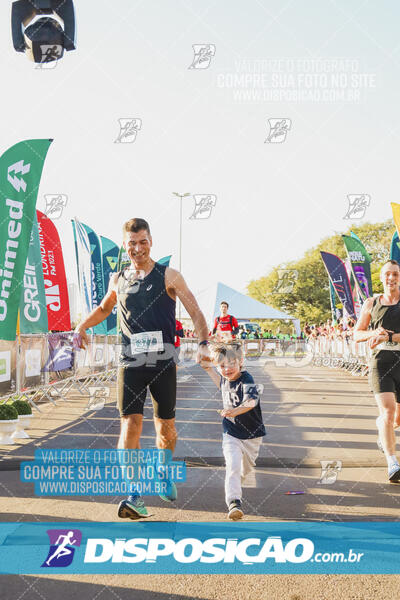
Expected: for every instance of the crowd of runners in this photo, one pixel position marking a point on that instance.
(146, 294)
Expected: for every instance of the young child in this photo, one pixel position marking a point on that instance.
(243, 427)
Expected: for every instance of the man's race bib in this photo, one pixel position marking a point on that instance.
(389, 346)
(147, 341)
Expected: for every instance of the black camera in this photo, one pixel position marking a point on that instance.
(43, 29)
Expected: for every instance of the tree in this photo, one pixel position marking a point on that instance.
(309, 298)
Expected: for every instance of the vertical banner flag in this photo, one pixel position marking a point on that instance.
(110, 253)
(55, 279)
(396, 215)
(96, 275)
(336, 313)
(360, 262)
(32, 308)
(165, 260)
(84, 266)
(357, 298)
(20, 172)
(395, 247)
(338, 275)
(123, 259)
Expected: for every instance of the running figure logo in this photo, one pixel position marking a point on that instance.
(50, 56)
(128, 129)
(329, 471)
(203, 205)
(358, 204)
(61, 551)
(203, 54)
(55, 204)
(286, 280)
(278, 129)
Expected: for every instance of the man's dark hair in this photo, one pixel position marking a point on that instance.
(135, 225)
(389, 262)
(224, 302)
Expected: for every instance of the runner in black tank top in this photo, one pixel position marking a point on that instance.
(382, 316)
(146, 294)
(147, 319)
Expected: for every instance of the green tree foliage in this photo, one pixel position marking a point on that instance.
(309, 299)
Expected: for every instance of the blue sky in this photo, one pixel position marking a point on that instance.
(201, 135)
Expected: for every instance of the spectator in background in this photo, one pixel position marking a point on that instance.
(226, 326)
(178, 334)
(243, 334)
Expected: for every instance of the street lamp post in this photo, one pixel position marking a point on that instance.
(180, 196)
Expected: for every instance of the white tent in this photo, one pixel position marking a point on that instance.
(244, 307)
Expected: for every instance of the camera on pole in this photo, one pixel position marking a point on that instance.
(43, 29)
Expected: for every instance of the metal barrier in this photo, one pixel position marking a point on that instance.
(48, 366)
(341, 353)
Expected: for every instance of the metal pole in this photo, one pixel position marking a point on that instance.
(180, 196)
(180, 252)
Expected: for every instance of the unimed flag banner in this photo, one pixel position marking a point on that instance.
(20, 171)
(340, 281)
(84, 266)
(32, 310)
(110, 252)
(55, 280)
(395, 247)
(360, 262)
(97, 274)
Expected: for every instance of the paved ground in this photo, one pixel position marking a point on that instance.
(311, 414)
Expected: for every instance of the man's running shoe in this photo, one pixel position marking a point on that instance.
(394, 473)
(380, 445)
(171, 493)
(235, 512)
(132, 508)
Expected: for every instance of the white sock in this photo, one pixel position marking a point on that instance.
(392, 461)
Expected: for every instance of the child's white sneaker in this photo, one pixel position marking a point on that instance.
(235, 512)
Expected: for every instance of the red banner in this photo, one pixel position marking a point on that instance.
(55, 280)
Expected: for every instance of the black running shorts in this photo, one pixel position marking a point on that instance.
(132, 384)
(384, 376)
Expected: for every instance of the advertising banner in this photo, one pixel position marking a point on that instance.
(55, 279)
(395, 247)
(84, 266)
(110, 253)
(197, 548)
(61, 355)
(32, 310)
(20, 172)
(98, 289)
(360, 262)
(338, 275)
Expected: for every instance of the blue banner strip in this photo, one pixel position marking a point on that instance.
(195, 548)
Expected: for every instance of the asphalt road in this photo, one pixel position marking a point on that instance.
(311, 414)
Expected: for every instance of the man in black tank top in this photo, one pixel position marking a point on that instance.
(379, 324)
(146, 295)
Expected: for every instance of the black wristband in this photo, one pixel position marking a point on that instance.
(390, 337)
(203, 343)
